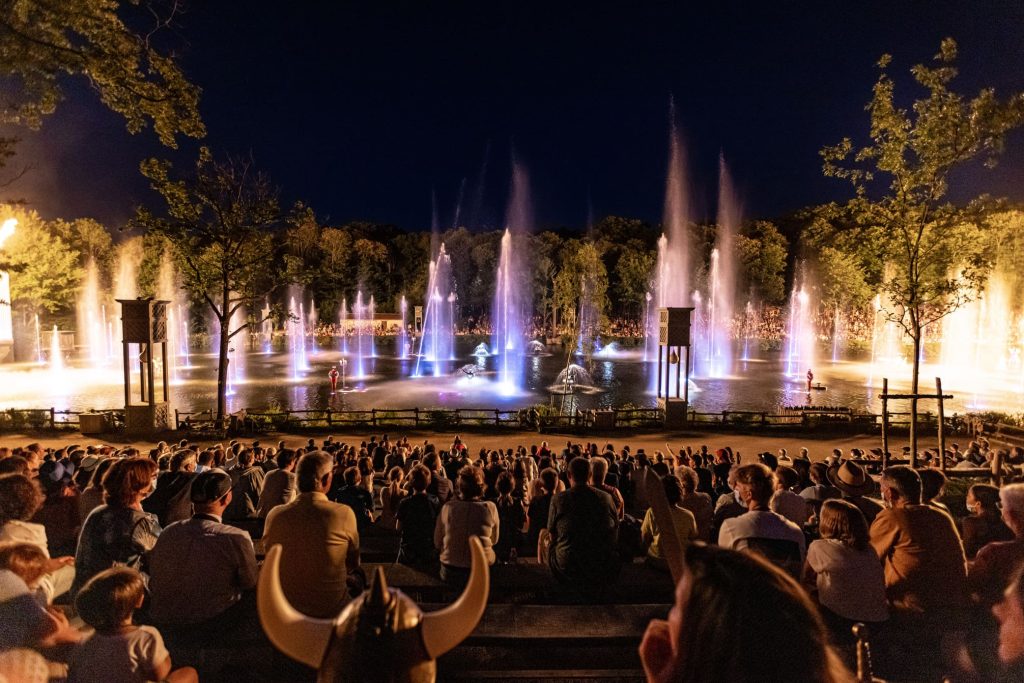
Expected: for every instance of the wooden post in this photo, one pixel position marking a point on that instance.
(53, 417)
(942, 425)
(885, 422)
(997, 468)
(373, 416)
(328, 417)
(176, 423)
(660, 347)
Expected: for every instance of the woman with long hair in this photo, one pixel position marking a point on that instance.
(468, 514)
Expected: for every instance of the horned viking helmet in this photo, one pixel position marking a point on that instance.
(382, 636)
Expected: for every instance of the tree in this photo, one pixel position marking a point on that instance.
(761, 252)
(634, 272)
(582, 277)
(219, 219)
(46, 273)
(938, 252)
(41, 41)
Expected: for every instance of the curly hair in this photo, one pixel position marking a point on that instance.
(20, 498)
(471, 483)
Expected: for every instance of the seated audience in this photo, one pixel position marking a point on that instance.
(20, 498)
(855, 484)
(24, 622)
(416, 517)
(248, 478)
(844, 570)
(118, 533)
(511, 517)
(170, 501)
(683, 521)
(583, 524)
(696, 502)
(983, 523)
(996, 562)
(785, 501)
(468, 514)
(319, 540)
(200, 567)
(354, 495)
(119, 650)
(391, 495)
(279, 483)
(759, 529)
(920, 549)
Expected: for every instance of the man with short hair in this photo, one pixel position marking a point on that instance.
(439, 484)
(417, 516)
(583, 523)
(759, 529)
(924, 561)
(248, 478)
(200, 568)
(354, 496)
(599, 470)
(279, 483)
(319, 540)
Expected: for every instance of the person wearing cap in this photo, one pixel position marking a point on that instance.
(855, 484)
(200, 568)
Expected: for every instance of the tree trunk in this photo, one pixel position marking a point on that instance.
(222, 366)
(916, 371)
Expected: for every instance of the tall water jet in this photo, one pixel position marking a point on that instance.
(510, 313)
(402, 341)
(266, 327)
(371, 314)
(437, 341)
(671, 278)
(722, 276)
(749, 328)
(296, 333)
(168, 288)
(698, 327)
(800, 331)
(837, 323)
(91, 317)
(343, 323)
(360, 315)
(128, 259)
(236, 350)
(56, 355)
(312, 319)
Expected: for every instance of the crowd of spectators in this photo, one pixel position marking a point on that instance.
(111, 559)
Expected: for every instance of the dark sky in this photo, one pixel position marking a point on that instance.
(365, 110)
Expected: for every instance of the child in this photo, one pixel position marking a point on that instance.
(120, 651)
(25, 622)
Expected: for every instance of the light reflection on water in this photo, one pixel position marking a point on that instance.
(758, 384)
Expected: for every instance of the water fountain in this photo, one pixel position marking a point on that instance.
(266, 327)
(402, 342)
(296, 332)
(343, 323)
(721, 276)
(56, 354)
(168, 288)
(749, 323)
(371, 310)
(671, 277)
(800, 331)
(361, 316)
(91, 332)
(571, 379)
(311, 322)
(438, 335)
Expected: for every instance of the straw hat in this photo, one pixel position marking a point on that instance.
(850, 478)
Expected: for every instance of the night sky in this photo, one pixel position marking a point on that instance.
(368, 110)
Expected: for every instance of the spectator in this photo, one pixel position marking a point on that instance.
(201, 567)
(170, 502)
(248, 480)
(92, 497)
(683, 521)
(738, 619)
(583, 524)
(933, 485)
(464, 516)
(996, 562)
(391, 495)
(20, 498)
(728, 504)
(696, 502)
(279, 483)
(920, 549)
(319, 539)
(355, 496)
(59, 511)
(540, 506)
(599, 467)
(845, 571)
(759, 529)
(24, 622)
(854, 484)
(119, 650)
(785, 501)
(820, 489)
(118, 533)
(983, 523)
(440, 486)
(416, 517)
(511, 517)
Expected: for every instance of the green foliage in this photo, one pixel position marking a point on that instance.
(42, 41)
(45, 270)
(220, 219)
(761, 252)
(937, 254)
(582, 275)
(634, 273)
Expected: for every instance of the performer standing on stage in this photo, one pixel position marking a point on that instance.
(333, 376)
(810, 379)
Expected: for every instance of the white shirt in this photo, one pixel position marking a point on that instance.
(118, 657)
(24, 532)
(460, 519)
(759, 524)
(851, 582)
(791, 506)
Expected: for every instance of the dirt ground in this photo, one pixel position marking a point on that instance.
(819, 446)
